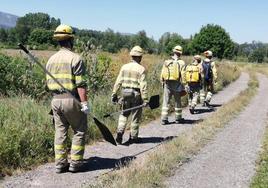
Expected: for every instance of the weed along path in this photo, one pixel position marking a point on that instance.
(229, 160)
(102, 157)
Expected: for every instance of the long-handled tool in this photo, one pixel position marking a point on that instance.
(153, 104)
(107, 135)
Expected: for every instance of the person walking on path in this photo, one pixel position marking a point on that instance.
(209, 78)
(173, 78)
(193, 81)
(132, 82)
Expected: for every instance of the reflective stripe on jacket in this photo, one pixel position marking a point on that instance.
(132, 75)
(68, 68)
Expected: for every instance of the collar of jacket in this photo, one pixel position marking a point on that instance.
(64, 48)
(132, 61)
(195, 63)
(175, 58)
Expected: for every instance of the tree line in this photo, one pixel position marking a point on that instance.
(36, 30)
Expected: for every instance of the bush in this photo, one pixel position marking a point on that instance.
(18, 76)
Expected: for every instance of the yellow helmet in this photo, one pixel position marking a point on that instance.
(197, 57)
(177, 49)
(63, 32)
(136, 51)
(208, 53)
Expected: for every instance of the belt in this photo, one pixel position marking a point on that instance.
(59, 94)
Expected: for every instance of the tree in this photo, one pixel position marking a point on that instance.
(257, 55)
(3, 35)
(169, 40)
(214, 38)
(26, 24)
(41, 36)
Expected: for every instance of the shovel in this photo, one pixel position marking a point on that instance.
(107, 135)
(153, 104)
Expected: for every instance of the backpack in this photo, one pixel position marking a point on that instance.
(171, 70)
(208, 74)
(192, 74)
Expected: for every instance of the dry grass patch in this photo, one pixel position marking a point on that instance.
(154, 167)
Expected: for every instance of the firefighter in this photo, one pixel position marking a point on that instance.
(209, 78)
(132, 82)
(69, 69)
(173, 78)
(193, 81)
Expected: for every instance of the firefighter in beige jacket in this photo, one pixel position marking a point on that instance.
(69, 70)
(132, 82)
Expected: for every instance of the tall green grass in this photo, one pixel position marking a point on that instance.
(26, 131)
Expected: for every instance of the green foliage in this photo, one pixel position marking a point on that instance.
(41, 36)
(18, 76)
(257, 55)
(26, 24)
(214, 38)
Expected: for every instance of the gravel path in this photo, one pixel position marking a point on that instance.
(229, 161)
(102, 157)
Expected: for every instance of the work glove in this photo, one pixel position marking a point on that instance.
(146, 103)
(114, 98)
(85, 108)
(187, 88)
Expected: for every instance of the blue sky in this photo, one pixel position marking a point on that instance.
(245, 20)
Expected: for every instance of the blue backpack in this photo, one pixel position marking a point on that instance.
(208, 74)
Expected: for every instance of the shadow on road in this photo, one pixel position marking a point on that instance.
(185, 121)
(99, 163)
(215, 105)
(154, 140)
(202, 111)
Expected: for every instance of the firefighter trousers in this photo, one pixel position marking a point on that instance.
(67, 112)
(171, 88)
(129, 102)
(206, 92)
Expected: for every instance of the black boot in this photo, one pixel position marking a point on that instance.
(191, 109)
(134, 140)
(164, 122)
(119, 138)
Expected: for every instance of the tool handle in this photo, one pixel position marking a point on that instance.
(23, 48)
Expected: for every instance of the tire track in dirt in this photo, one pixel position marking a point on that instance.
(229, 160)
(103, 157)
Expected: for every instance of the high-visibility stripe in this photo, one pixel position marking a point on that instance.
(77, 157)
(58, 76)
(78, 78)
(178, 109)
(60, 156)
(59, 147)
(77, 147)
(69, 86)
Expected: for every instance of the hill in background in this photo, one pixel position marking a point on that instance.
(7, 20)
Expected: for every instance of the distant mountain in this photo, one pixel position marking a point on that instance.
(7, 20)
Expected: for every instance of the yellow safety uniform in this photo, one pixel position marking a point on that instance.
(173, 77)
(69, 69)
(132, 82)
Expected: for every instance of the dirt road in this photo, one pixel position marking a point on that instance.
(229, 161)
(102, 157)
